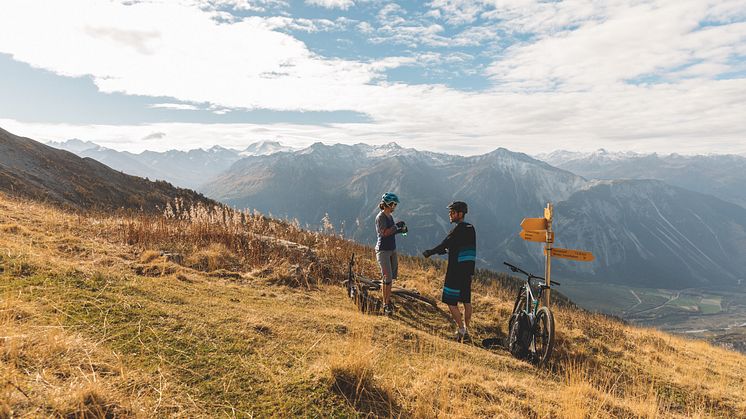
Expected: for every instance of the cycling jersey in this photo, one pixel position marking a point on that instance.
(461, 245)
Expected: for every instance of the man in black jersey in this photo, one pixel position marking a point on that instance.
(461, 245)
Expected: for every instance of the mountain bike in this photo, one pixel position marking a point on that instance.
(362, 291)
(530, 328)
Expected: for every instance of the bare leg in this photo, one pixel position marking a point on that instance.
(467, 314)
(456, 314)
(386, 293)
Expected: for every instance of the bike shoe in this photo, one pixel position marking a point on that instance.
(388, 309)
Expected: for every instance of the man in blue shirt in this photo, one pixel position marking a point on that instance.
(461, 245)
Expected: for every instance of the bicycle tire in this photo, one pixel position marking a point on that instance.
(520, 304)
(414, 295)
(543, 335)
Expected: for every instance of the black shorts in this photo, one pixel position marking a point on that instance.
(457, 291)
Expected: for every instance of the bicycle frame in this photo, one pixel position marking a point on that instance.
(540, 319)
(531, 302)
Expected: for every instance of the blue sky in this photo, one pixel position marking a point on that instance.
(446, 75)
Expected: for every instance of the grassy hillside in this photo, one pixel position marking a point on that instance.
(206, 312)
(30, 169)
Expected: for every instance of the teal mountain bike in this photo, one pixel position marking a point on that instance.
(530, 328)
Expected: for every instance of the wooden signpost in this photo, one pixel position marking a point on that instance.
(540, 230)
(579, 255)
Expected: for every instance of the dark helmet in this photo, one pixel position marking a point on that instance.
(458, 206)
(389, 197)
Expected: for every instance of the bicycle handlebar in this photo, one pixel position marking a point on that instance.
(530, 276)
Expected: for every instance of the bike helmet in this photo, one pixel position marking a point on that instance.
(390, 197)
(458, 206)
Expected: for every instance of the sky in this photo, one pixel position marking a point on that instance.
(462, 77)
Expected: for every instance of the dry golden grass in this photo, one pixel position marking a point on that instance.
(212, 312)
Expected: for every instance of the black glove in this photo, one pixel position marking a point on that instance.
(427, 253)
(400, 224)
(402, 229)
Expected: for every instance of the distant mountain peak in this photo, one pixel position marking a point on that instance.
(216, 148)
(74, 145)
(265, 148)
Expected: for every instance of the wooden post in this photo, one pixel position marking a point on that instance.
(548, 214)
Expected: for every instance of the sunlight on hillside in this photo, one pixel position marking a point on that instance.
(205, 312)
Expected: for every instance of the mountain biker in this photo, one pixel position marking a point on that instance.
(386, 230)
(461, 244)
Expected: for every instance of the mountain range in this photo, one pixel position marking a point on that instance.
(33, 170)
(187, 169)
(643, 231)
(723, 176)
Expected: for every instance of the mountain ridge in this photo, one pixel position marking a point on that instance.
(33, 170)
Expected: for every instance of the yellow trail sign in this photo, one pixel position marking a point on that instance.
(534, 224)
(579, 255)
(536, 236)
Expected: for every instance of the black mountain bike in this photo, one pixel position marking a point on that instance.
(365, 291)
(530, 328)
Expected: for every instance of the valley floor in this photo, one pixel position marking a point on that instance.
(90, 324)
(716, 315)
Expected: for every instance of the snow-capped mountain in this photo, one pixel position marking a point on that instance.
(265, 148)
(643, 232)
(73, 145)
(723, 176)
(187, 169)
(346, 181)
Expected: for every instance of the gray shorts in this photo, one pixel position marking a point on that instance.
(389, 264)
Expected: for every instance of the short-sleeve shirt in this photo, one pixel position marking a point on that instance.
(384, 222)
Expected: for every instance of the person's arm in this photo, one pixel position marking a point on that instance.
(441, 248)
(381, 227)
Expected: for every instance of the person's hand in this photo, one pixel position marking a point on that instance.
(427, 253)
(402, 229)
(400, 224)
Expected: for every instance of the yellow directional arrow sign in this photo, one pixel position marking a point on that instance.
(579, 255)
(536, 236)
(534, 224)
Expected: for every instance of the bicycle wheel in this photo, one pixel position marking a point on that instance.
(520, 304)
(543, 335)
(414, 295)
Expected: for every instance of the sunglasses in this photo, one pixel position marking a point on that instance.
(392, 204)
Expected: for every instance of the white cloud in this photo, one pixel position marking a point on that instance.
(298, 24)
(332, 4)
(261, 6)
(565, 87)
(629, 43)
(186, 55)
(176, 106)
(365, 27)
(457, 12)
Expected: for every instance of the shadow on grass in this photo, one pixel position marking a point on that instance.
(359, 387)
(422, 316)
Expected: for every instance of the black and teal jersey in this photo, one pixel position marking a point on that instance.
(461, 245)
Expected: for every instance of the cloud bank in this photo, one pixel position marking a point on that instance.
(643, 76)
